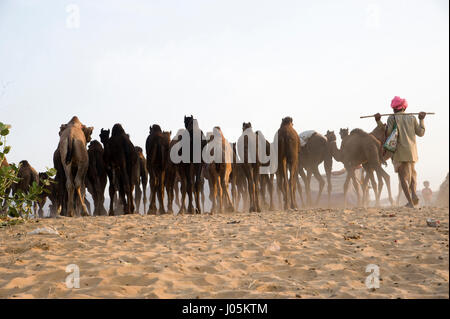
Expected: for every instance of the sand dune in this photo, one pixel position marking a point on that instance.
(317, 253)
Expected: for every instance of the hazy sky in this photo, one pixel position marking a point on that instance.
(325, 63)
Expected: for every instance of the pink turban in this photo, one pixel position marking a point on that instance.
(398, 103)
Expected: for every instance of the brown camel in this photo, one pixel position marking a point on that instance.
(75, 161)
(143, 176)
(27, 176)
(378, 133)
(312, 154)
(96, 177)
(219, 169)
(288, 150)
(122, 166)
(157, 148)
(356, 149)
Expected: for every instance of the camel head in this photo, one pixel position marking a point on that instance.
(331, 137)
(155, 128)
(167, 134)
(87, 132)
(246, 126)
(62, 128)
(343, 132)
(188, 120)
(287, 121)
(117, 130)
(138, 149)
(95, 145)
(104, 135)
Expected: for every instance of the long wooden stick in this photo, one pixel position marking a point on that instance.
(366, 116)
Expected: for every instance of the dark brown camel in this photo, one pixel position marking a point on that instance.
(288, 149)
(120, 156)
(238, 182)
(157, 148)
(27, 176)
(49, 192)
(191, 171)
(143, 174)
(96, 177)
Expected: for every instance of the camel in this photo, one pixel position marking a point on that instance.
(378, 133)
(219, 169)
(248, 153)
(359, 148)
(75, 161)
(191, 172)
(311, 155)
(238, 182)
(96, 177)
(288, 150)
(112, 178)
(49, 192)
(265, 180)
(122, 166)
(143, 174)
(27, 176)
(157, 148)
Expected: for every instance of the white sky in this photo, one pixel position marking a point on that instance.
(324, 63)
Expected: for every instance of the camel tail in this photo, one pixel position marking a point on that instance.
(70, 146)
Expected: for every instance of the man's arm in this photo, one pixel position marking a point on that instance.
(390, 125)
(419, 127)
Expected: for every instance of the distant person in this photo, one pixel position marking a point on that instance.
(405, 155)
(427, 193)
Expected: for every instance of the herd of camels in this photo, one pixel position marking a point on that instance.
(83, 163)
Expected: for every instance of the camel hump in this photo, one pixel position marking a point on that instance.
(358, 131)
(74, 120)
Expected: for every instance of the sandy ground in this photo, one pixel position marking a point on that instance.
(317, 253)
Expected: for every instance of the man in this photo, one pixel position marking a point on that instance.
(405, 155)
(427, 193)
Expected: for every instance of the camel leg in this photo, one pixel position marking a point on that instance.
(292, 186)
(70, 190)
(137, 190)
(356, 187)
(230, 204)
(346, 184)
(271, 192)
(112, 195)
(387, 180)
(183, 188)
(328, 165)
(152, 206)
(80, 189)
(321, 184)
(160, 192)
(299, 185)
(308, 187)
(374, 187)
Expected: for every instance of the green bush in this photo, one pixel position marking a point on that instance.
(19, 204)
